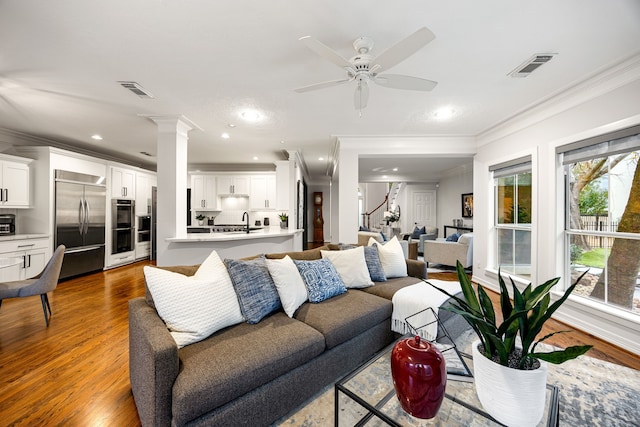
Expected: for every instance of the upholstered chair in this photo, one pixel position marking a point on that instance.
(40, 285)
(447, 253)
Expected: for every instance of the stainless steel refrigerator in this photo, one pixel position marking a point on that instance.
(80, 221)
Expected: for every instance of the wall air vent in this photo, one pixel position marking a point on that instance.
(136, 88)
(531, 64)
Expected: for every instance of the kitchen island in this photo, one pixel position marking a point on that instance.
(194, 248)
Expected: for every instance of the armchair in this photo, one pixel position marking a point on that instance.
(447, 253)
(431, 233)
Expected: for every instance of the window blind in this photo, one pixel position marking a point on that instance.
(622, 141)
(512, 167)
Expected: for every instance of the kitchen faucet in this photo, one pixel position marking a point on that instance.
(247, 215)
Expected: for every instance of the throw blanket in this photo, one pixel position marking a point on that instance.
(415, 298)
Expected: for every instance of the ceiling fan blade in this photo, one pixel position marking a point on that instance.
(325, 51)
(404, 49)
(399, 81)
(322, 85)
(361, 96)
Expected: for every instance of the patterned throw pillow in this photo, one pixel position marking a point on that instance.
(373, 264)
(192, 308)
(321, 279)
(256, 291)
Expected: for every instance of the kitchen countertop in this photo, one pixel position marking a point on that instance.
(23, 237)
(235, 235)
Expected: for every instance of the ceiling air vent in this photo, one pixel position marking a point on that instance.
(531, 64)
(137, 89)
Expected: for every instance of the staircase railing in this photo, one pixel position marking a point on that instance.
(376, 216)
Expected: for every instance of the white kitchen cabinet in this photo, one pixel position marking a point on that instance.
(262, 192)
(32, 253)
(122, 258)
(233, 185)
(144, 183)
(14, 184)
(123, 183)
(143, 250)
(203, 193)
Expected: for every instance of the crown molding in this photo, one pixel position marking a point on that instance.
(598, 84)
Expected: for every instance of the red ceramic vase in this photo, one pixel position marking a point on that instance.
(419, 376)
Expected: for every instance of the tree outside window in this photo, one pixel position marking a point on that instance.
(603, 222)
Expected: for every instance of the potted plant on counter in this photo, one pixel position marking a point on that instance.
(200, 219)
(284, 220)
(511, 379)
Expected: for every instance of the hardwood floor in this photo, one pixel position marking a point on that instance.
(75, 372)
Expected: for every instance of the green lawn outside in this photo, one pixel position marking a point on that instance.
(594, 258)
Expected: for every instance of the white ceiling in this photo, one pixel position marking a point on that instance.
(207, 60)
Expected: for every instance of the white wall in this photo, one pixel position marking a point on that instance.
(456, 182)
(606, 103)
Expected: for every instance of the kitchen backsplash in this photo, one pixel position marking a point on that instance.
(234, 207)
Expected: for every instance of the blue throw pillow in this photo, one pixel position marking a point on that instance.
(453, 238)
(257, 294)
(374, 265)
(363, 228)
(417, 232)
(321, 279)
(384, 238)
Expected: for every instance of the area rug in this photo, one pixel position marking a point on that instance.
(592, 393)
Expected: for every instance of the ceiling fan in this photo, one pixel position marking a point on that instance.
(365, 67)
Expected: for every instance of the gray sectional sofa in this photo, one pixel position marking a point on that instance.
(253, 374)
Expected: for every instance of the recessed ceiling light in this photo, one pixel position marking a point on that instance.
(444, 113)
(321, 158)
(281, 142)
(231, 125)
(224, 135)
(255, 157)
(96, 137)
(250, 115)
(395, 169)
(385, 176)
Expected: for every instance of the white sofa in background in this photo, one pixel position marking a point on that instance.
(448, 253)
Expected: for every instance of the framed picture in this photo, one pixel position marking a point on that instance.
(467, 205)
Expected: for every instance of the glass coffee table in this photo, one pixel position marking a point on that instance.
(366, 397)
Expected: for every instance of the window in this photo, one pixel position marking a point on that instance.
(512, 222)
(602, 225)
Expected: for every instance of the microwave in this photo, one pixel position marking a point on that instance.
(7, 224)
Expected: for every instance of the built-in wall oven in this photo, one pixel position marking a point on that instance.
(144, 228)
(123, 225)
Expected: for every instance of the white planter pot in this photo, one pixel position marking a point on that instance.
(512, 396)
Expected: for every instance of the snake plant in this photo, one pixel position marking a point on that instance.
(525, 317)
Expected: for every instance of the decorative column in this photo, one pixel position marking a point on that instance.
(172, 181)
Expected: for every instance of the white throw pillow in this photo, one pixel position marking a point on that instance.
(391, 257)
(289, 283)
(351, 266)
(213, 269)
(193, 308)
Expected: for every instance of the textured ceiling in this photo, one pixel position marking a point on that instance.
(60, 62)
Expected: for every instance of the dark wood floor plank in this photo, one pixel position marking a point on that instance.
(76, 371)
